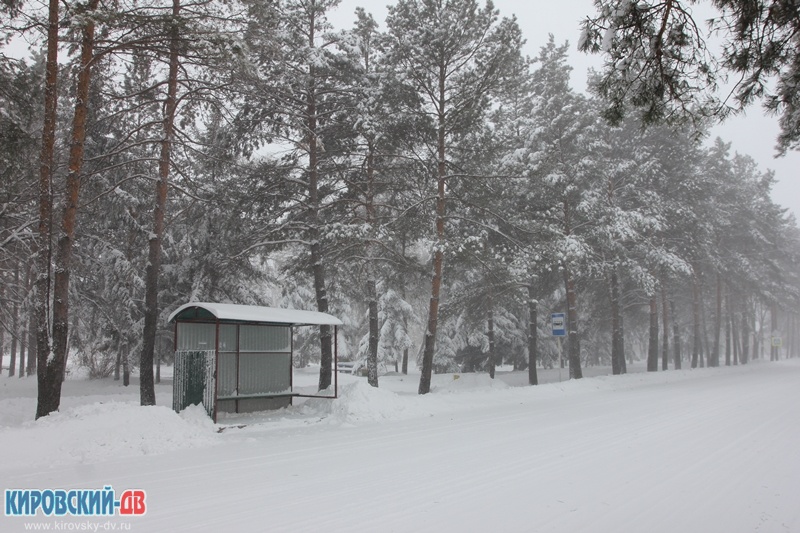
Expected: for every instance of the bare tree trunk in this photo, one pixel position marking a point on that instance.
(745, 334)
(676, 337)
(713, 357)
(438, 255)
(574, 346)
(12, 363)
(25, 335)
(652, 345)
(696, 340)
(317, 259)
(774, 351)
(404, 367)
(372, 284)
(492, 363)
(147, 393)
(326, 356)
(622, 360)
(665, 328)
(32, 356)
(45, 403)
(23, 346)
(728, 319)
(118, 363)
(372, 355)
(52, 368)
(617, 340)
(735, 336)
(704, 349)
(533, 336)
(126, 370)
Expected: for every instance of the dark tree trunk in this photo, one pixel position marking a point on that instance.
(728, 319)
(118, 364)
(713, 357)
(533, 336)
(774, 350)
(52, 367)
(404, 366)
(126, 370)
(372, 355)
(665, 328)
(438, 255)
(735, 335)
(676, 337)
(697, 346)
(573, 343)
(652, 345)
(745, 336)
(45, 401)
(622, 359)
(12, 363)
(617, 339)
(23, 346)
(147, 392)
(704, 349)
(317, 256)
(492, 362)
(32, 356)
(325, 335)
(372, 284)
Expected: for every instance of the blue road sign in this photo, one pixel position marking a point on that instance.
(558, 322)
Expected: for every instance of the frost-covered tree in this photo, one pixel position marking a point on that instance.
(455, 54)
(20, 102)
(373, 132)
(294, 90)
(661, 58)
(558, 158)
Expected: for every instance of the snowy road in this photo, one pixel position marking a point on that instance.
(710, 450)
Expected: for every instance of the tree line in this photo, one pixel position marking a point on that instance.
(428, 183)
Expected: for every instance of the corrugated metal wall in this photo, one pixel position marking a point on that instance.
(196, 336)
(264, 372)
(256, 362)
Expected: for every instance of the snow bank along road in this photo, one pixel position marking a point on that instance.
(706, 450)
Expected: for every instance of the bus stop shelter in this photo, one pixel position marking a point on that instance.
(238, 358)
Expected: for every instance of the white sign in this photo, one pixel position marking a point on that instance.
(558, 322)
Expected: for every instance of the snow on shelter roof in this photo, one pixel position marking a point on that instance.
(254, 313)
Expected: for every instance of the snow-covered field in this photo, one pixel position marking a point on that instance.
(705, 450)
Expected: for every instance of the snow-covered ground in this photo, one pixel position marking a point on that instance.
(705, 450)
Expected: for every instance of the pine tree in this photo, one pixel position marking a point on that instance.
(661, 64)
(455, 54)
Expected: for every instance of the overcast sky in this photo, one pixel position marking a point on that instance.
(753, 134)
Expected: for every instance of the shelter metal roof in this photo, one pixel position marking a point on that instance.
(256, 313)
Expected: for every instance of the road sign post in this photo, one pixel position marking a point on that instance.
(558, 327)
